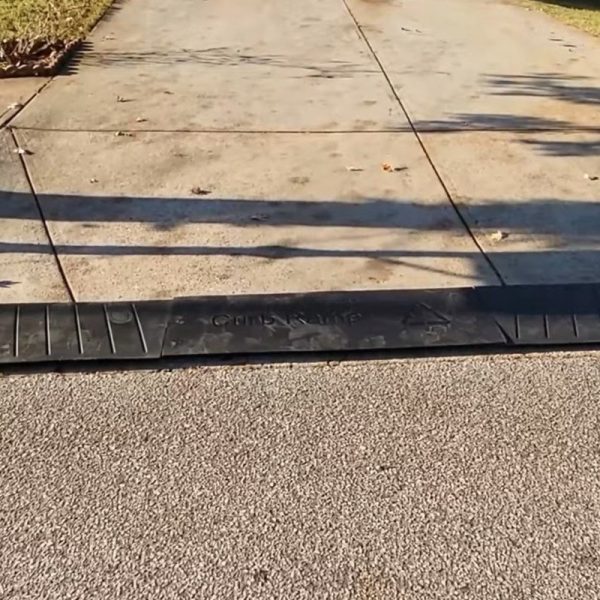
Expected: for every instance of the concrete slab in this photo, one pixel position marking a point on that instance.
(484, 64)
(17, 91)
(24, 276)
(531, 200)
(222, 65)
(530, 87)
(283, 214)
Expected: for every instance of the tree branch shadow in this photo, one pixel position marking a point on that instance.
(572, 139)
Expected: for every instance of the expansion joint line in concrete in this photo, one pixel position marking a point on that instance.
(449, 130)
(422, 143)
(25, 104)
(42, 217)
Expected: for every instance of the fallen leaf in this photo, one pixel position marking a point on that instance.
(498, 236)
(198, 191)
(388, 168)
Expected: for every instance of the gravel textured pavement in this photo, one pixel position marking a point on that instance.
(416, 479)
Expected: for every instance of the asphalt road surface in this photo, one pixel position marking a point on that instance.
(472, 478)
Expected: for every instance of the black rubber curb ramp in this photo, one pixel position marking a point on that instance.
(315, 322)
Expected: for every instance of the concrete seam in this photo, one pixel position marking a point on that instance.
(25, 104)
(43, 218)
(423, 147)
(409, 129)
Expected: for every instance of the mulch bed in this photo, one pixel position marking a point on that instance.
(34, 58)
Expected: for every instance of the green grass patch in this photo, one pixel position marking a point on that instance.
(584, 14)
(64, 20)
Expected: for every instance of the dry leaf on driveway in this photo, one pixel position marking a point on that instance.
(388, 168)
(198, 191)
(498, 236)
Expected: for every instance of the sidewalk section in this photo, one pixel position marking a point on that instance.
(165, 215)
(222, 66)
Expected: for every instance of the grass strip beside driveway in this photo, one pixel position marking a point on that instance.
(35, 34)
(583, 14)
(65, 20)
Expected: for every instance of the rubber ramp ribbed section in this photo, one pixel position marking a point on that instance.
(59, 332)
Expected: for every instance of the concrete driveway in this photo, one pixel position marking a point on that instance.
(196, 148)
